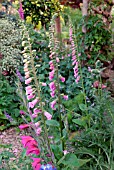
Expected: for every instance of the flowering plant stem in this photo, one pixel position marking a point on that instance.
(59, 102)
(41, 105)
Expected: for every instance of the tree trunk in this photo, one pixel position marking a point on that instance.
(85, 13)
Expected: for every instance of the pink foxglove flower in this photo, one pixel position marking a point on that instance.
(62, 79)
(77, 79)
(22, 112)
(74, 59)
(51, 65)
(65, 152)
(28, 87)
(27, 81)
(26, 69)
(65, 97)
(103, 86)
(44, 84)
(21, 12)
(51, 75)
(48, 115)
(26, 140)
(32, 150)
(27, 75)
(38, 131)
(52, 104)
(52, 94)
(37, 124)
(57, 60)
(29, 91)
(33, 103)
(31, 96)
(36, 111)
(36, 164)
(89, 69)
(23, 126)
(52, 86)
(34, 115)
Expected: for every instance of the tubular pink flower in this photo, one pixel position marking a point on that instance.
(36, 164)
(36, 111)
(34, 115)
(27, 81)
(48, 115)
(65, 97)
(103, 86)
(26, 65)
(51, 65)
(22, 112)
(31, 96)
(23, 126)
(62, 79)
(89, 69)
(29, 91)
(51, 75)
(38, 131)
(74, 59)
(77, 79)
(32, 150)
(44, 84)
(52, 86)
(57, 60)
(28, 87)
(65, 152)
(52, 94)
(27, 140)
(26, 69)
(27, 75)
(52, 104)
(33, 103)
(21, 12)
(37, 124)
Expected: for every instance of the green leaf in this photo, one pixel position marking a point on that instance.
(79, 122)
(52, 123)
(82, 107)
(71, 160)
(83, 161)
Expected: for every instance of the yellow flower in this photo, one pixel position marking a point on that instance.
(28, 19)
(16, 2)
(61, 19)
(39, 25)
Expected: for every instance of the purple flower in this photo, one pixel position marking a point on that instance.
(21, 12)
(19, 75)
(8, 116)
(47, 167)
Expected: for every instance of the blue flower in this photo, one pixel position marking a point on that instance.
(47, 167)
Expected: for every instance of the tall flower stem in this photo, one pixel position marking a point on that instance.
(59, 109)
(40, 103)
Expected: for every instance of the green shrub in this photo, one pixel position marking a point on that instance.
(10, 44)
(9, 105)
(40, 10)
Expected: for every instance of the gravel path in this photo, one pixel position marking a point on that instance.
(11, 136)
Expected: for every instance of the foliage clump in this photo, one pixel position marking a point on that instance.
(10, 44)
(42, 11)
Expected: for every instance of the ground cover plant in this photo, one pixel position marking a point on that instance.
(66, 107)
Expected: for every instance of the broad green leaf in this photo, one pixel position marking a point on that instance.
(82, 107)
(71, 160)
(79, 122)
(52, 123)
